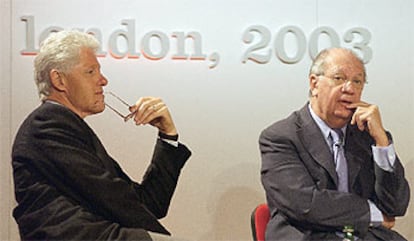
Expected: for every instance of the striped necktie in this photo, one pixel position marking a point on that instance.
(339, 157)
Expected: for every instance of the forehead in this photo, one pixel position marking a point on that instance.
(344, 63)
(87, 58)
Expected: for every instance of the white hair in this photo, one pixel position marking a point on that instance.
(59, 51)
(318, 65)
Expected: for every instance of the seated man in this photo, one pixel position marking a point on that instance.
(67, 186)
(331, 164)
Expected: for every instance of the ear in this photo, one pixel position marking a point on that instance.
(313, 84)
(57, 80)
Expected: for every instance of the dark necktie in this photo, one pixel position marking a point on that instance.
(339, 158)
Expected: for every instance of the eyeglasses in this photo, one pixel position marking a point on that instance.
(116, 103)
(341, 79)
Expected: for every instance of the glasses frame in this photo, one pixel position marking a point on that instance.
(124, 117)
(340, 81)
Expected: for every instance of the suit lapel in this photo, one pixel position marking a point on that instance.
(100, 151)
(103, 156)
(313, 140)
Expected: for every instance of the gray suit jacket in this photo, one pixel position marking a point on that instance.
(68, 188)
(299, 177)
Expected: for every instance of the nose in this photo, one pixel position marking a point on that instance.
(348, 87)
(103, 80)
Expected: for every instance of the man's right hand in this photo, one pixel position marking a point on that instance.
(388, 222)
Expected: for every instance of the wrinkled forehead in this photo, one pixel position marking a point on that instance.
(344, 63)
(87, 56)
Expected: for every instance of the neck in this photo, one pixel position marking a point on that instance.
(334, 122)
(65, 102)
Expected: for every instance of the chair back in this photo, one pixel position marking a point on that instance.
(259, 219)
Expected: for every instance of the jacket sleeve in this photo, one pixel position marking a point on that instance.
(161, 177)
(392, 189)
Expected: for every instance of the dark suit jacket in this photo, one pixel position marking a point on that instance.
(68, 188)
(299, 178)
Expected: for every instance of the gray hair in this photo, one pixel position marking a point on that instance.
(59, 51)
(318, 65)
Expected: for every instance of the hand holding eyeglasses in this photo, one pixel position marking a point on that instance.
(147, 110)
(153, 111)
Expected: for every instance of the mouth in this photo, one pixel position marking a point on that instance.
(345, 104)
(100, 95)
(346, 100)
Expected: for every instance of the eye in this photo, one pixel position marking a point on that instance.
(339, 79)
(90, 71)
(357, 82)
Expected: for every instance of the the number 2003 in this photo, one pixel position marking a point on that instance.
(258, 38)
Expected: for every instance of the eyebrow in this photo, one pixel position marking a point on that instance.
(93, 66)
(361, 75)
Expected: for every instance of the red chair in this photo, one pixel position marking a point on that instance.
(259, 219)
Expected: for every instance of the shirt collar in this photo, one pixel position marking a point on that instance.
(322, 125)
(53, 102)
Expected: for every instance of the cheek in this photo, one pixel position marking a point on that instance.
(329, 100)
(358, 96)
(327, 94)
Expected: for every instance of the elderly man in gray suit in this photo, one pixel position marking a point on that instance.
(331, 164)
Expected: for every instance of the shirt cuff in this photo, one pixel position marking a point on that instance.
(172, 140)
(384, 157)
(375, 213)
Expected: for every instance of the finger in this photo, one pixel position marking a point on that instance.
(353, 120)
(365, 122)
(155, 117)
(144, 107)
(152, 112)
(358, 119)
(135, 108)
(356, 105)
(361, 125)
(355, 116)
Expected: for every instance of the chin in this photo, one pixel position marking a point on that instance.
(99, 109)
(344, 114)
(341, 120)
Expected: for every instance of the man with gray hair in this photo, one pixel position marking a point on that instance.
(330, 169)
(67, 186)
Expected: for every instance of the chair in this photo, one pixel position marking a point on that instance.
(259, 219)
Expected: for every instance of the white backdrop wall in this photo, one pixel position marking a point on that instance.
(220, 107)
